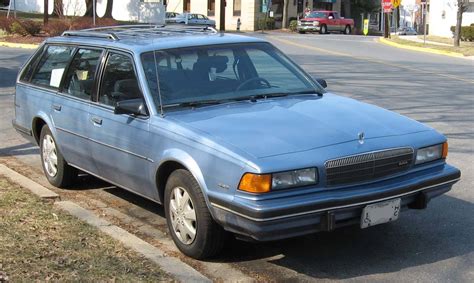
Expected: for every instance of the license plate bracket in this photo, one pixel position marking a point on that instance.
(380, 212)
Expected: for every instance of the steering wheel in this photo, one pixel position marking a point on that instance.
(257, 79)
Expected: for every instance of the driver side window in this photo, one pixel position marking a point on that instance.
(119, 81)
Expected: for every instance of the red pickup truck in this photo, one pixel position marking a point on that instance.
(324, 22)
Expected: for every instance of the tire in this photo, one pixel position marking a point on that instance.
(347, 30)
(323, 29)
(209, 238)
(57, 171)
(301, 32)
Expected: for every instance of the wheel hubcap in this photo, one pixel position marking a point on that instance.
(183, 215)
(50, 156)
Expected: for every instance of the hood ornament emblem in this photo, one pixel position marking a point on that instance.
(361, 137)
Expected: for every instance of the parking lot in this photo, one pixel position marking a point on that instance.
(436, 244)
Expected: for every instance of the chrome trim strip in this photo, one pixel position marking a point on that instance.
(360, 158)
(329, 208)
(107, 145)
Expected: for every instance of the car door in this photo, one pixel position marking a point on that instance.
(72, 104)
(68, 114)
(337, 22)
(332, 22)
(120, 142)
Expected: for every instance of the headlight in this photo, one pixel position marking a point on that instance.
(431, 153)
(315, 23)
(294, 178)
(263, 183)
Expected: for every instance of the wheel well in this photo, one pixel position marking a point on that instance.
(162, 175)
(38, 124)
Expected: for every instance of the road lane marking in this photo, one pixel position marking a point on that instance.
(369, 60)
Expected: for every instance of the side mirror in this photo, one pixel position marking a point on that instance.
(132, 107)
(330, 17)
(322, 82)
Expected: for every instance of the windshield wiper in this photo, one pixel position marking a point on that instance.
(199, 103)
(260, 96)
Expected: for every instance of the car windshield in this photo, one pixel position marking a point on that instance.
(219, 73)
(316, 15)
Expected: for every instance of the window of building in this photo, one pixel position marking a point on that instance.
(119, 81)
(211, 7)
(79, 81)
(51, 66)
(237, 7)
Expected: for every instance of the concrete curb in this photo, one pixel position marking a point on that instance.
(18, 45)
(23, 181)
(173, 266)
(422, 49)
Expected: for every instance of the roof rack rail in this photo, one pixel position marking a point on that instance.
(85, 33)
(104, 28)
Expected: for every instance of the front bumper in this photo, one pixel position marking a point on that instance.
(307, 28)
(271, 219)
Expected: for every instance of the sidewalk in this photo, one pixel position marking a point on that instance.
(420, 40)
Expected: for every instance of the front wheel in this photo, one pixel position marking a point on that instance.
(347, 30)
(56, 169)
(323, 29)
(191, 226)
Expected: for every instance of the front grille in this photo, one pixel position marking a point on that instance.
(367, 166)
(306, 23)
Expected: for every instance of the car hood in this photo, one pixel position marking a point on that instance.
(293, 124)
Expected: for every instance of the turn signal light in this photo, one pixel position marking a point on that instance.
(445, 150)
(254, 183)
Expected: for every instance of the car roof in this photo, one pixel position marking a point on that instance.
(140, 38)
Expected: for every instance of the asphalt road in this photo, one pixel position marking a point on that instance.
(432, 245)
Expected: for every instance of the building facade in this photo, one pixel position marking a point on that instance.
(250, 12)
(443, 14)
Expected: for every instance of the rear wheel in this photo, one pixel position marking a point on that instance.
(191, 226)
(56, 169)
(323, 29)
(347, 30)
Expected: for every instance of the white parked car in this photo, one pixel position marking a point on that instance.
(406, 31)
(192, 19)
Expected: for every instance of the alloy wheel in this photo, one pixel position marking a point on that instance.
(50, 156)
(183, 215)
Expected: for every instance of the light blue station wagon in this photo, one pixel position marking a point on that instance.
(225, 131)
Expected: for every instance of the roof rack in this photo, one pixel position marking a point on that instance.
(110, 35)
(141, 30)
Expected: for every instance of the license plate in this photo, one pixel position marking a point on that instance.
(381, 212)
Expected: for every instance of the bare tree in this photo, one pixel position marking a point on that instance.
(90, 9)
(108, 9)
(45, 12)
(462, 7)
(58, 8)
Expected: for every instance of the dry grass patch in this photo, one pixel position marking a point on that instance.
(40, 243)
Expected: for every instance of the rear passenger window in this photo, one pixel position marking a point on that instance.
(79, 81)
(51, 66)
(119, 81)
(28, 69)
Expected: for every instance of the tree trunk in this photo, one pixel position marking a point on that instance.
(58, 8)
(108, 9)
(284, 23)
(89, 9)
(457, 31)
(45, 12)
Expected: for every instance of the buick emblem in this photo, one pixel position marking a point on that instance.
(361, 136)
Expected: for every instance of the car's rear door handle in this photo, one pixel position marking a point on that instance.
(57, 107)
(96, 120)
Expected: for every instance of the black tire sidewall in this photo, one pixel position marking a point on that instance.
(324, 29)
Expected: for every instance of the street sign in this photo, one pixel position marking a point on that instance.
(387, 6)
(366, 26)
(396, 3)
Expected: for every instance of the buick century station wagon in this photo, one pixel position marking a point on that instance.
(225, 131)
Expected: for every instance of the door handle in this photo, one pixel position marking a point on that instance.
(96, 120)
(57, 107)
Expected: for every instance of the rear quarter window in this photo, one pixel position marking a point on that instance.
(29, 67)
(51, 66)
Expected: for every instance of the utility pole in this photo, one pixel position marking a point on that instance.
(222, 16)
